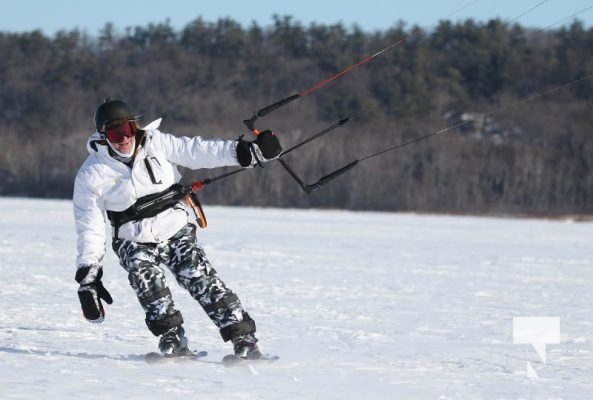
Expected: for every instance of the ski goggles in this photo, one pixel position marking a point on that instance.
(116, 133)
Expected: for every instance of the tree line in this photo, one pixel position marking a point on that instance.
(507, 141)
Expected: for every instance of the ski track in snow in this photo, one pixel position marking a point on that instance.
(357, 304)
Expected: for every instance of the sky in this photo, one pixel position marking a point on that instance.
(370, 15)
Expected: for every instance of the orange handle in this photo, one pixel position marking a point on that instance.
(197, 207)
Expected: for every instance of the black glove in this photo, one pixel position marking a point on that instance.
(265, 148)
(91, 291)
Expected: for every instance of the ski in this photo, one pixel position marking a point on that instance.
(154, 357)
(228, 361)
(231, 360)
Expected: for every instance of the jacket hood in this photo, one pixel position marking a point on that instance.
(153, 125)
(96, 142)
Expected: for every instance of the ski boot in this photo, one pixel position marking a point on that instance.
(173, 343)
(246, 347)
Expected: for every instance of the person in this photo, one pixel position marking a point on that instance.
(127, 165)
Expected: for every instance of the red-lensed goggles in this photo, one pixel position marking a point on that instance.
(116, 134)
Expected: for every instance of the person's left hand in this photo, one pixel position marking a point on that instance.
(265, 148)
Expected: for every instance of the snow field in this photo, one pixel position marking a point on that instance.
(357, 304)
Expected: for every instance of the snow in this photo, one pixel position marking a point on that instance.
(357, 304)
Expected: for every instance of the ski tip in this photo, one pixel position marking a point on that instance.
(232, 360)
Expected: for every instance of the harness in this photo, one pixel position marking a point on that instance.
(153, 204)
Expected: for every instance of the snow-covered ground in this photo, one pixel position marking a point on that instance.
(358, 305)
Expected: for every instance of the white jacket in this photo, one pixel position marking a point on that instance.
(103, 183)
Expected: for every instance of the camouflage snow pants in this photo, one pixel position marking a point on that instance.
(187, 261)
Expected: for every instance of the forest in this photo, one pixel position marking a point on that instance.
(481, 117)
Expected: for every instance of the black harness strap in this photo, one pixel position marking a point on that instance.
(146, 207)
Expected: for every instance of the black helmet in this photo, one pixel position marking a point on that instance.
(110, 111)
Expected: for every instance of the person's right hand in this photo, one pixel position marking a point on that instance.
(91, 291)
